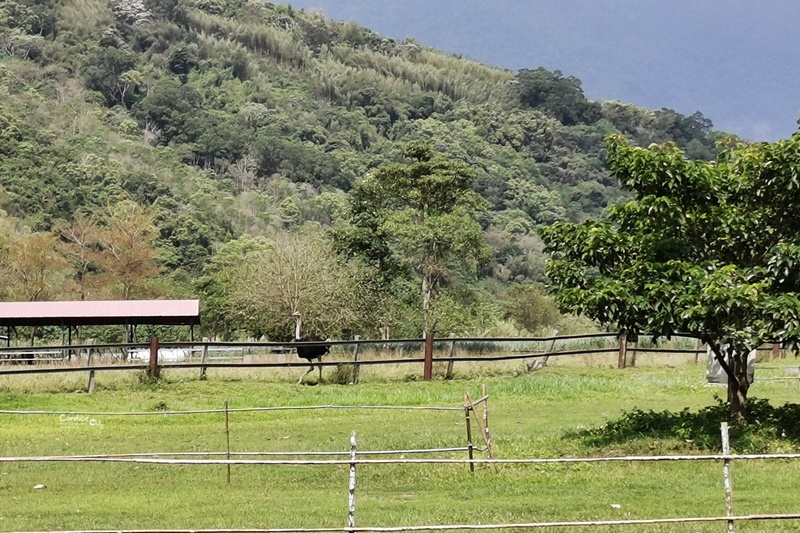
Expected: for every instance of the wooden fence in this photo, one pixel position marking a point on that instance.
(469, 408)
(196, 354)
(353, 461)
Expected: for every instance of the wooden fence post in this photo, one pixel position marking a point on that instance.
(623, 351)
(727, 483)
(203, 361)
(153, 371)
(351, 498)
(356, 366)
(428, 366)
(451, 353)
(550, 348)
(486, 433)
(776, 350)
(536, 363)
(633, 354)
(90, 385)
(228, 440)
(470, 452)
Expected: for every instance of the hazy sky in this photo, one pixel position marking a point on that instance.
(734, 60)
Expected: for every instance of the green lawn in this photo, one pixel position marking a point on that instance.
(531, 415)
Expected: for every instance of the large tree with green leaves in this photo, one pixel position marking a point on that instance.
(421, 215)
(708, 248)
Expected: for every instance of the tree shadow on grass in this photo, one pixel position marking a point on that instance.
(768, 429)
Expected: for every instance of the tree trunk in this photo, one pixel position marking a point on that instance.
(738, 384)
(733, 361)
(427, 288)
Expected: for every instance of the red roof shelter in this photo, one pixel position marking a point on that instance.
(101, 313)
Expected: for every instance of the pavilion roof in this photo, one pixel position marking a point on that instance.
(101, 313)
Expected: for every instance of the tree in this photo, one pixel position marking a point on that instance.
(34, 269)
(128, 256)
(222, 313)
(710, 249)
(294, 273)
(110, 71)
(79, 248)
(530, 308)
(557, 96)
(422, 215)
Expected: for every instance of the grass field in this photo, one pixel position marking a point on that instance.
(531, 415)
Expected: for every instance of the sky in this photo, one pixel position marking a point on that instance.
(733, 60)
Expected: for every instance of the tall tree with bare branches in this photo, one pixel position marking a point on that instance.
(296, 273)
(79, 246)
(37, 271)
(128, 256)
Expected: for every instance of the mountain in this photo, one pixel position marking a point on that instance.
(181, 130)
(730, 59)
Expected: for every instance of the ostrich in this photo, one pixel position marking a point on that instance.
(309, 352)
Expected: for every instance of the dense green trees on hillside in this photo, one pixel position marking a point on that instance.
(225, 120)
(559, 97)
(419, 217)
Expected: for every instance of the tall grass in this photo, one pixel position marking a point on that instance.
(258, 38)
(431, 71)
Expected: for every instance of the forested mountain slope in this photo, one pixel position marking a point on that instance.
(182, 125)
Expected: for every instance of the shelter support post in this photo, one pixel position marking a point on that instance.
(191, 339)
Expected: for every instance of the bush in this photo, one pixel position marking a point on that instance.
(768, 428)
(342, 374)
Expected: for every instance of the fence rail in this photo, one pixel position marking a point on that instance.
(155, 355)
(354, 461)
(421, 461)
(454, 527)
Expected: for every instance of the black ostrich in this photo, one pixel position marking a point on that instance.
(309, 352)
